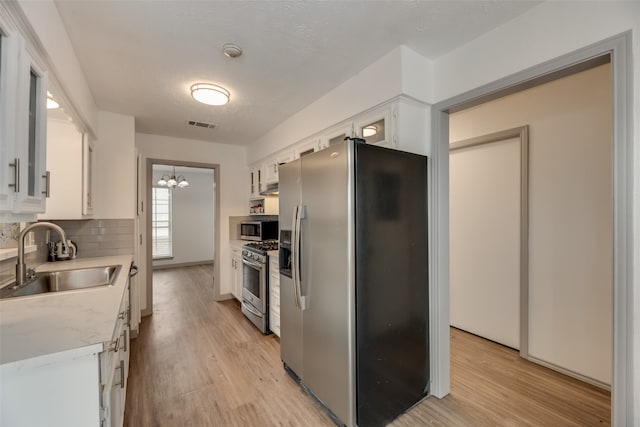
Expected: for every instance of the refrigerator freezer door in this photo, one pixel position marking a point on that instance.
(290, 313)
(392, 311)
(327, 279)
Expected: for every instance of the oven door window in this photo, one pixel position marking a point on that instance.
(251, 280)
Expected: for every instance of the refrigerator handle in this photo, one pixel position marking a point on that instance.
(298, 282)
(294, 254)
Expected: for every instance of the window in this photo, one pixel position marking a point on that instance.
(161, 223)
(33, 112)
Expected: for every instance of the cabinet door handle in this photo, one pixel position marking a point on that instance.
(16, 175)
(115, 345)
(133, 270)
(121, 367)
(47, 184)
(122, 374)
(124, 340)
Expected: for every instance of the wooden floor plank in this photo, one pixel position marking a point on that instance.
(197, 362)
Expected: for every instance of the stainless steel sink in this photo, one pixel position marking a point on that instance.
(63, 280)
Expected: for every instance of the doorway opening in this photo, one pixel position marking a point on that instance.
(548, 296)
(182, 221)
(616, 49)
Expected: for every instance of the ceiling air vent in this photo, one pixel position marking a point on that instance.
(201, 124)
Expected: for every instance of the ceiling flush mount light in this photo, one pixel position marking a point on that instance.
(173, 181)
(51, 103)
(209, 94)
(369, 131)
(232, 50)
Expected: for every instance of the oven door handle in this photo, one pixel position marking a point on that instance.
(251, 309)
(253, 265)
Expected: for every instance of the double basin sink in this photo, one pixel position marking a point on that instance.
(63, 280)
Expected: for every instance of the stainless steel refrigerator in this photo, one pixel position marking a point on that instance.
(354, 280)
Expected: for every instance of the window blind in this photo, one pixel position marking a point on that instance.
(161, 222)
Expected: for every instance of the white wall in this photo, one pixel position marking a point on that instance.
(400, 71)
(115, 167)
(570, 213)
(191, 217)
(545, 32)
(234, 178)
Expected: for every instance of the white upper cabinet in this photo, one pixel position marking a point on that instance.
(10, 44)
(336, 134)
(255, 182)
(23, 94)
(306, 147)
(88, 159)
(377, 126)
(69, 160)
(400, 123)
(270, 168)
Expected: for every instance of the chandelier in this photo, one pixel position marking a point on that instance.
(172, 181)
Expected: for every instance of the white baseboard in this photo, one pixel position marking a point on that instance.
(182, 264)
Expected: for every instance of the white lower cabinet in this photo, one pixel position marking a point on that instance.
(274, 294)
(81, 387)
(114, 370)
(236, 272)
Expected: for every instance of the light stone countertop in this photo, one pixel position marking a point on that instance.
(41, 328)
(238, 243)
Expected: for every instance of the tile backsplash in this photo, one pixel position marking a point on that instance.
(8, 266)
(100, 237)
(93, 237)
(9, 233)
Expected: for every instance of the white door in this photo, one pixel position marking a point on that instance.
(485, 200)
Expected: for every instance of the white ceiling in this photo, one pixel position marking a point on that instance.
(141, 57)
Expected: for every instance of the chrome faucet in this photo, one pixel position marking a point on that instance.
(21, 267)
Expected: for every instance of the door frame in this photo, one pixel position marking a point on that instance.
(617, 49)
(216, 224)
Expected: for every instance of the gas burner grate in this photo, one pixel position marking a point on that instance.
(266, 245)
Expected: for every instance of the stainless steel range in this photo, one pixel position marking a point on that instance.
(255, 284)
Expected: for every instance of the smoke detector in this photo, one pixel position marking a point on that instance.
(231, 50)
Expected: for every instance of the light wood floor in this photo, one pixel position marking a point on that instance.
(197, 362)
